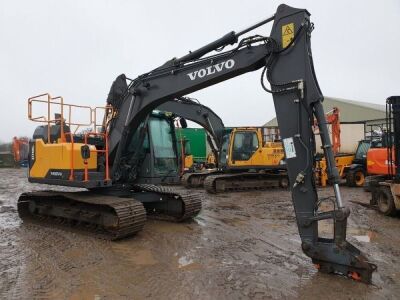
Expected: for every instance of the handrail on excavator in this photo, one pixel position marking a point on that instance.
(46, 98)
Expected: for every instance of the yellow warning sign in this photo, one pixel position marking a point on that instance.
(287, 34)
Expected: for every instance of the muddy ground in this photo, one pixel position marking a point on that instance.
(242, 245)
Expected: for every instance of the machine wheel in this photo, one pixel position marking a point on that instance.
(385, 201)
(355, 177)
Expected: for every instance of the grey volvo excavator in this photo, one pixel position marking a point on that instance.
(286, 62)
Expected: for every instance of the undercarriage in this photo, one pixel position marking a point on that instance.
(109, 214)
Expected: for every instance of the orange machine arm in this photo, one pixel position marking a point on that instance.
(15, 149)
(332, 117)
(17, 143)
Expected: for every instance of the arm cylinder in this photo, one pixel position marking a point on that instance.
(228, 39)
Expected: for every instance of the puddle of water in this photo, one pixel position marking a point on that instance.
(167, 227)
(134, 255)
(143, 257)
(187, 263)
(184, 261)
(362, 238)
(362, 235)
(200, 222)
(234, 221)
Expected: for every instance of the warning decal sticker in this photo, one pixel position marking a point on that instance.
(287, 34)
(290, 150)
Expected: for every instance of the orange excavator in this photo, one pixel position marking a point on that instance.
(383, 163)
(333, 118)
(20, 149)
(14, 154)
(351, 166)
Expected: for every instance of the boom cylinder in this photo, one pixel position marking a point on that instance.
(229, 38)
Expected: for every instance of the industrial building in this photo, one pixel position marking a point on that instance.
(357, 120)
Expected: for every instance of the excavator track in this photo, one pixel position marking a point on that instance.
(175, 205)
(196, 179)
(105, 217)
(244, 181)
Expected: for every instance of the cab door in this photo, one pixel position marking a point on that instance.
(244, 146)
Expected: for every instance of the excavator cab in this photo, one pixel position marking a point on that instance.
(245, 144)
(245, 149)
(159, 154)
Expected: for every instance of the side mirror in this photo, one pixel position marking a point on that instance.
(183, 123)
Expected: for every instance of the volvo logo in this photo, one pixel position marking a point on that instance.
(228, 64)
(56, 174)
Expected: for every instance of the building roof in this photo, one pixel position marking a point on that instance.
(350, 110)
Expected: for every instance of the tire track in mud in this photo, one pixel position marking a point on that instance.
(49, 266)
(10, 264)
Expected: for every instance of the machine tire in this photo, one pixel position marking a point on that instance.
(385, 201)
(355, 178)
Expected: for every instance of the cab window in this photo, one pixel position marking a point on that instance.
(244, 145)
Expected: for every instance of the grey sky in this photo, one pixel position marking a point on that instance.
(77, 48)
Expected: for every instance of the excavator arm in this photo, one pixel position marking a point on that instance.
(295, 112)
(286, 59)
